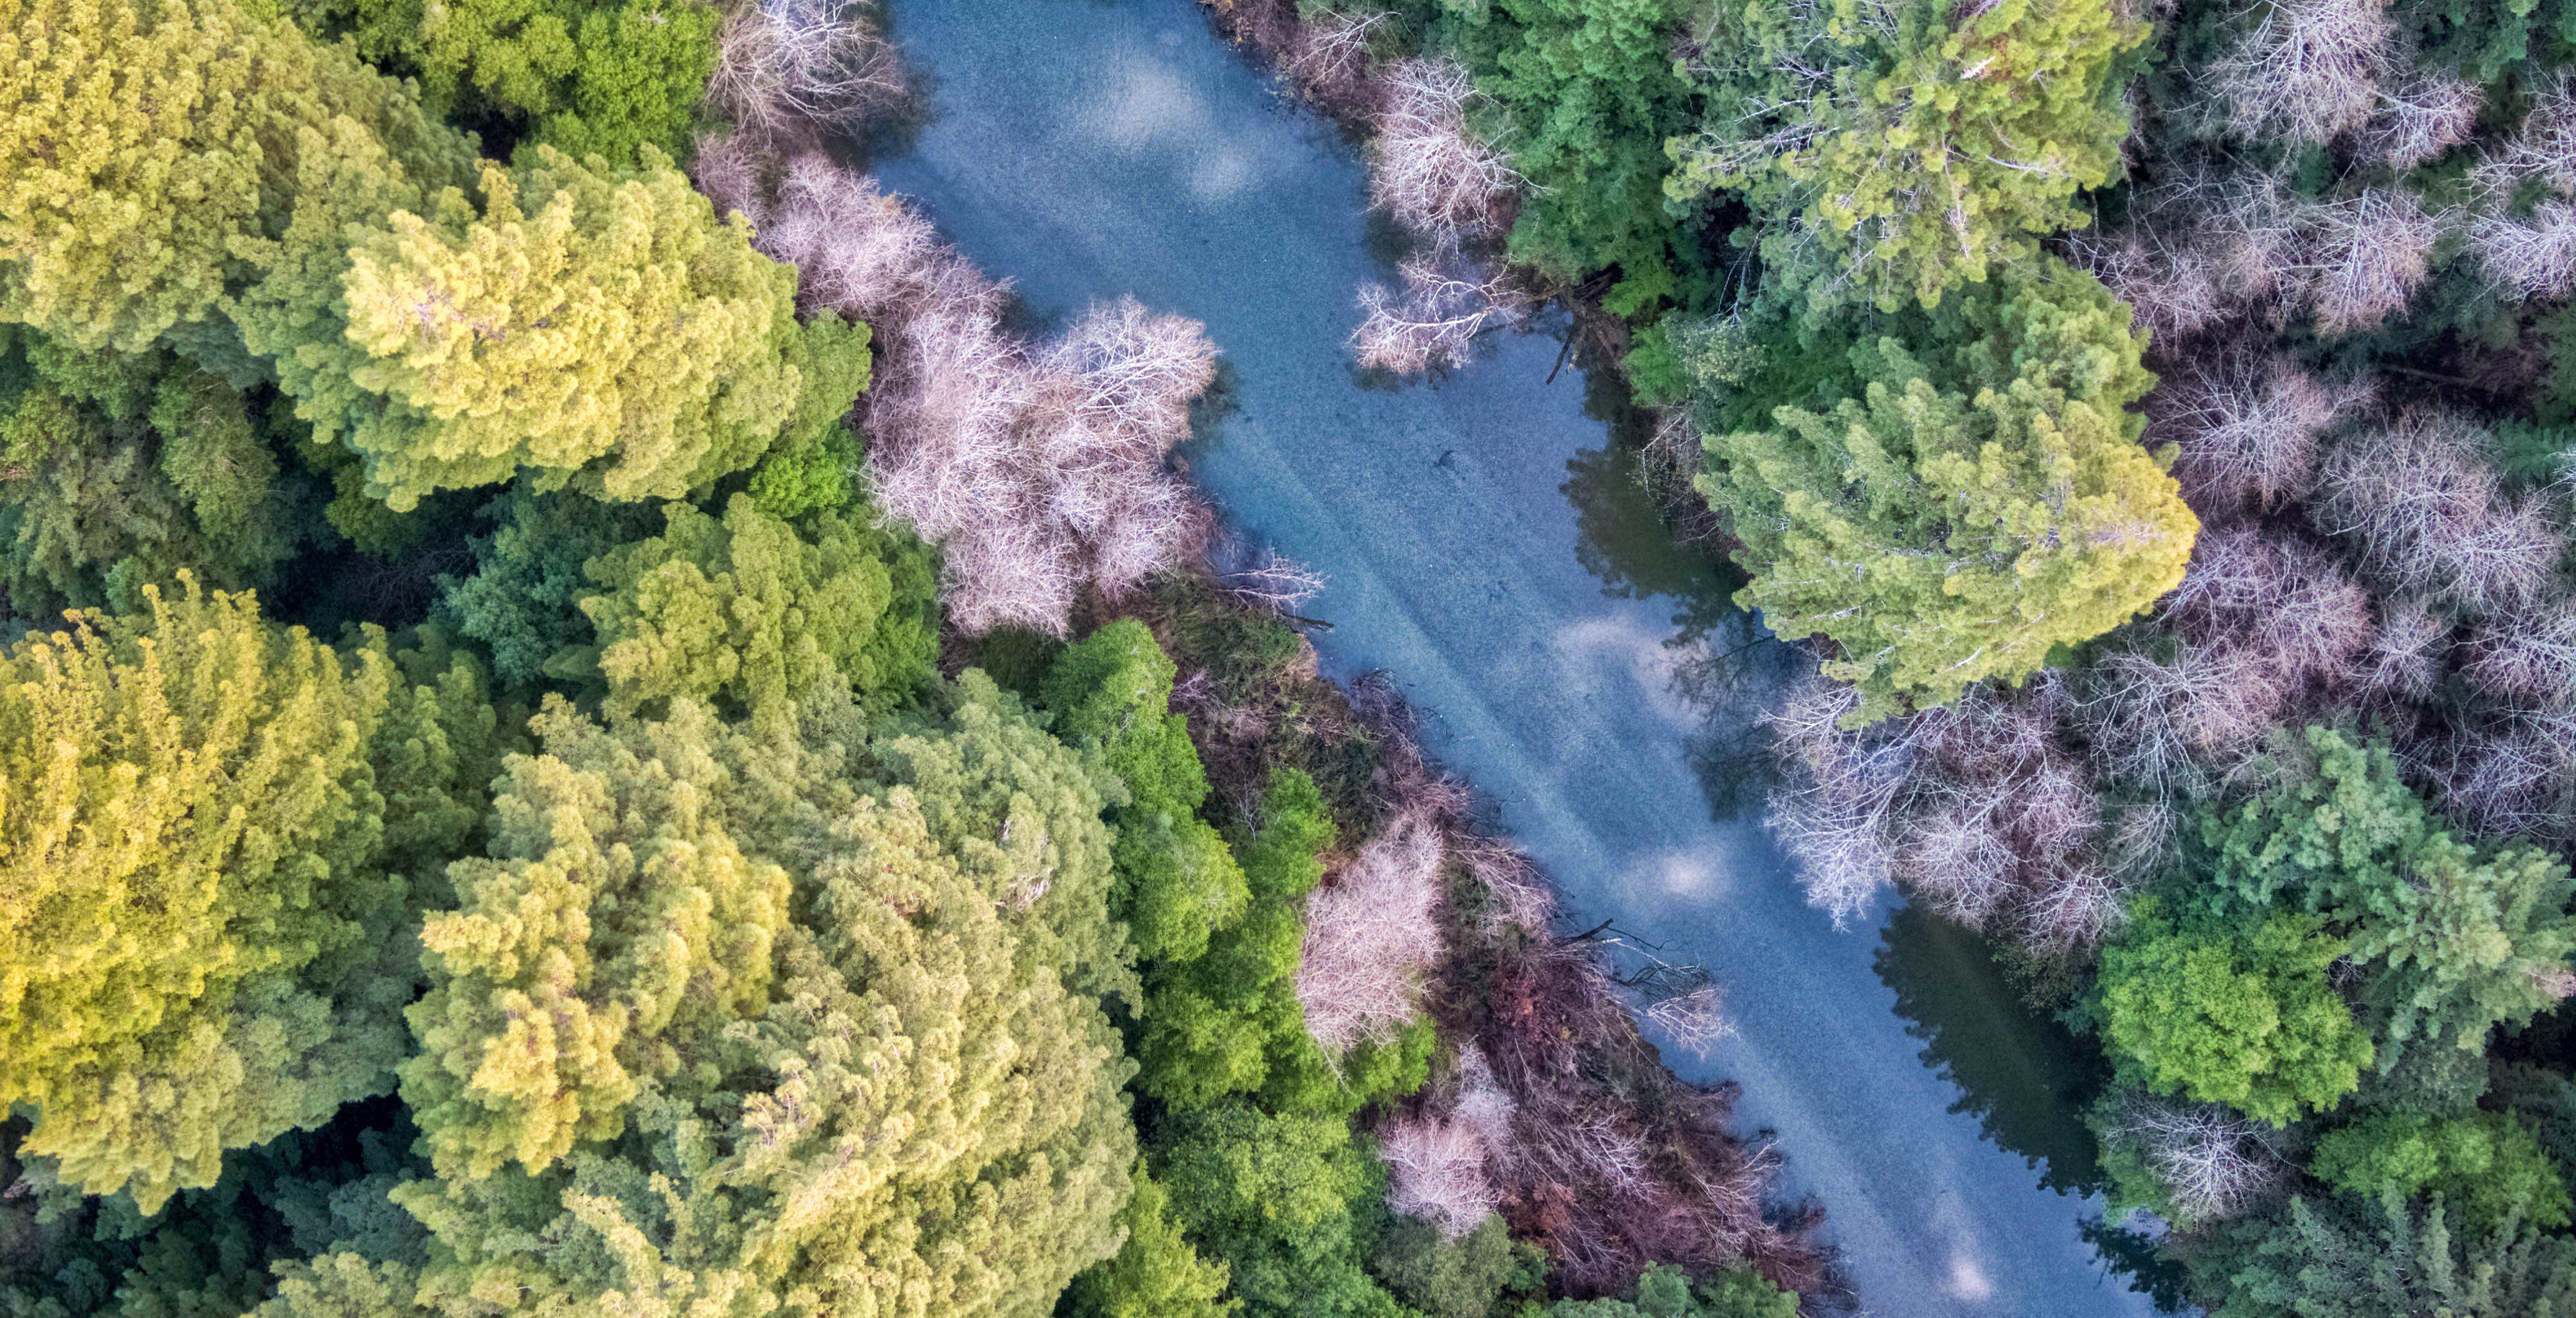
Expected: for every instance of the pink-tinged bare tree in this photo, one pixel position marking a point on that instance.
(2309, 71)
(1447, 302)
(2364, 257)
(2406, 660)
(2420, 118)
(2526, 655)
(2249, 428)
(789, 70)
(2531, 257)
(2284, 600)
(1437, 1172)
(2165, 279)
(2541, 151)
(2432, 518)
(1040, 468)
(1426, 168)
(1370, 938)
(2213, 1160)
(2177, 728)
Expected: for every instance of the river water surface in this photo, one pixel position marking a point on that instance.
(1485, 544)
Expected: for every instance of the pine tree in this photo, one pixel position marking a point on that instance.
(1899, 149)
(1984, 501)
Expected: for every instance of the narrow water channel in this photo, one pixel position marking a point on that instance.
(1485, 544)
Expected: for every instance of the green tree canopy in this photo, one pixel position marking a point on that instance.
(1667, 1292)
(801, 1014)
(1177, 880)
(118, 470)
(154, 152)
(748, 614)
(1292, 1204)
(1589, 91)
(217, 832)
(1982, 501)
(2459, 939)
(1155, 1274)
(1903, 148)
(2242, 1016)
(2353, 1259)
(613, 330)
(2484, 1165)
(584, 76)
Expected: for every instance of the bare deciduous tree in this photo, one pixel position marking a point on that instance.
(1833, 808)
(2284, 600)
(788, 69)
(2364, 257)
(2432, 518)
(1437, 1172)
(2167, 283)
(2212, 1160)
(1039, 467)
(2406, 660)
(2308, 72)
(2420, 118)
(2528, 258)
(2249, 428)
(1426, 169)
(1447, 302)
(1370, 936)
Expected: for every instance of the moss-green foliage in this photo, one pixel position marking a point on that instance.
(217, 833)
(2349, 1258)
(207, 1251)
(586, 76)
(2484, 1165)
(815, 463)
(749, 613)
(1589, 93)
(1156, 1273)
(1291, 1202)
(1668, 1293)
(120, 469)
(2459, 939)
(585, 322)
(1980, 502)
(1177, 881)
(2238, 1014)
(1894, 152)
(802, 1012)
(522, 603)
(153, 154)
(1462, 1278)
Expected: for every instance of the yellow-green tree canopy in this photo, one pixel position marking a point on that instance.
(807, 1015)
(749, 614)
(585, 321)
(1907, 146)
(153, 152)
(208, 831)
(1984, 500)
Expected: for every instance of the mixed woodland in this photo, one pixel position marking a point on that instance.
(2159, 420)
(597, 726)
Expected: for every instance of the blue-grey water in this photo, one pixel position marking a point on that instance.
(1485, 544)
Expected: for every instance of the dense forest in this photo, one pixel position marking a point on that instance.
(2159, 422)
(600, 726)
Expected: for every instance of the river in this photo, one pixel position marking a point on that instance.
(1485, 545)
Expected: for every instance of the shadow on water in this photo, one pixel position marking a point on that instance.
(2026, 1079)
